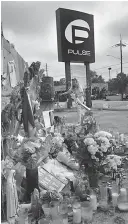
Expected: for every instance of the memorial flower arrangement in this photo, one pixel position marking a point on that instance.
(28, 153)
(56, 145)
(10, 111)
(96, 153)
(96, 150)
(113, 162)
(88, 123)
(58, 140)
(70, 141)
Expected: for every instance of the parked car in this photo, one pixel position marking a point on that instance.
(125, 96)
(93, 97)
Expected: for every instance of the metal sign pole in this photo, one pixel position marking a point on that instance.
(88, 81)
(68, 82)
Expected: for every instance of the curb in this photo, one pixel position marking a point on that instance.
(114, 109)
(94, 109)
(65, 110)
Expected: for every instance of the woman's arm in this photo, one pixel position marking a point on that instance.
(67, 92)
(83, 105)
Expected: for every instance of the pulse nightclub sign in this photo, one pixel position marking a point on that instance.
(75, 36)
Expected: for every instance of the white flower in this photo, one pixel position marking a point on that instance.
(103, 134)
(118, 160)
(8, 162)
(73, 96)
(113, 141)
(58, 140)
(20, 138)
(93, 157)
(89, 141)
(114, 161)
(101, 153)
(103, 148)
(114, 166)
(89, 135)
(58, 135)
(95, 144)
(97, 159)
(37, 104)
(104, 140)
(92, 149)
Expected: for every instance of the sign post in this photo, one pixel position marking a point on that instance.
(68, 82)
(88, 89)
(75, 39)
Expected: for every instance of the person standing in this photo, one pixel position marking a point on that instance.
(77, 95)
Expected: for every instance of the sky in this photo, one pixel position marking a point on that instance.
(31, 27)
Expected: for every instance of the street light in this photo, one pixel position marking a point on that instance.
(109, 69)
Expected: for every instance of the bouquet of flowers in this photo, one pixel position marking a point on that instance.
(112, 162)
(7, 165)
(93, 149)
(70, 141)
(27, 153)
(88, 123)
(56, 145)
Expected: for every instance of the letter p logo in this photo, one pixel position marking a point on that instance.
(77, 31)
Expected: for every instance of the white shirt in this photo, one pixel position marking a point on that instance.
(78, 92)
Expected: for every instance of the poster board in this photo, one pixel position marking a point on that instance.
(48, 118)
(48, 181)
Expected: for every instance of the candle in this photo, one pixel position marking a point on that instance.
(122, 138)
(114, 199)
(93, 201)
(123, 194)
(109, 193)
(76, 213)
(118, 179)
(126, 144)
(117, 136)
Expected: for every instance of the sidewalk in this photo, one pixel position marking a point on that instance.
(110, 105)
(99, 105)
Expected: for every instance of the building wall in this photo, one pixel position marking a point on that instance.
(10, 54)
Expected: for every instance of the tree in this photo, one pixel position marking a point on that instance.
(112, 85)
(118, 84)
(96, 78)
(122, 81)
(56, 83)
(62, 81)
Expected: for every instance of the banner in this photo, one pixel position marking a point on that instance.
(12, 73)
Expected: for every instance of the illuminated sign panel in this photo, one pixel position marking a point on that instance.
(75, 36)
